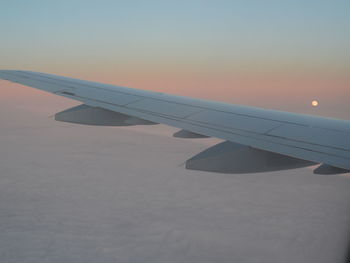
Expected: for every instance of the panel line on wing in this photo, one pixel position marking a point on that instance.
(40, 80)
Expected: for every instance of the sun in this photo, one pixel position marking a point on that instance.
(314, 103)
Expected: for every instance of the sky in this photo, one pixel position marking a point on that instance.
(75, 193)
(272, 54)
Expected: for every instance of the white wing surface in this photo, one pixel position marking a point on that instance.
(316, 139)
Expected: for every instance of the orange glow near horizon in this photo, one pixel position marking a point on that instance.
(288, 92)
(271, 54)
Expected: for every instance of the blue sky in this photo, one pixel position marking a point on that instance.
(262, 50)
(159, 28)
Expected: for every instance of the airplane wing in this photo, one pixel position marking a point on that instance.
(316, 139)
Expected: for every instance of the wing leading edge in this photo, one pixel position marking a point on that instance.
(316, 139)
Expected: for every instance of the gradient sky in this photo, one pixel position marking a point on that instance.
(273, 54)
